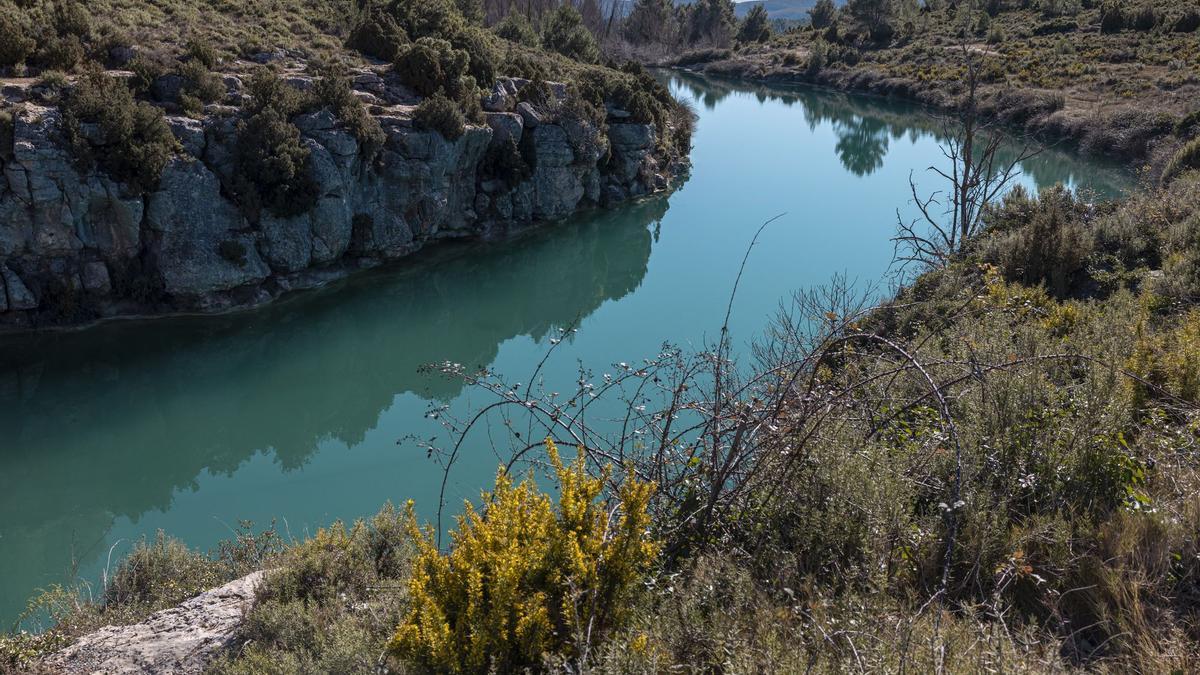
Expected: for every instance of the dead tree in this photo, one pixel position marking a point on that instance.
(977, 176)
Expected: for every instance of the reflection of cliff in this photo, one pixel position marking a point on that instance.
(109, 421)
(864, 126)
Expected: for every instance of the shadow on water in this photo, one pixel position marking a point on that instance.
(867, 125)
(162, 401)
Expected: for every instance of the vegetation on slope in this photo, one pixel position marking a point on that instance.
(1062, 69)
(295, 57)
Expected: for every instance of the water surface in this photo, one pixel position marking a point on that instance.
(292, 413)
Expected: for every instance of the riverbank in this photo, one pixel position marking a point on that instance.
(1127, 95)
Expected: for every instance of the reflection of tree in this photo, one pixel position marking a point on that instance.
(110, 421)
(862, 144)
(864, 124)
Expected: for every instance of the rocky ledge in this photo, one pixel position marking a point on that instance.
(76, 246)
(175, 641)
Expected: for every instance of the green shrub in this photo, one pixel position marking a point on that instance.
(1186, 159)
(1144, 18)
(62, 40)
(565, 33)
(1188, 21)
(200, 83)
(440, 114)
(505, 162)
(1112, 17)
(432, 65)
(15, 40)
(133, 142)
(755, 27)
(1188, 125)
(816, 57)
(330, 604)
(61, 52)
(160, 574)
(267, 90)
(520, 64)
(427, 18)
(516, 28)
(146, 69)
(7, 124)
(481, 57)
(822, 14)
(233, 251)
(378, 34)
(273, 165)
(332, 89)
(204, 52)
(1037, 241)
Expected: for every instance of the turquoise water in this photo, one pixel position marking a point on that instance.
(293, 413)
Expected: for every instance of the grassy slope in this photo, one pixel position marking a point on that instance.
(1115, 94)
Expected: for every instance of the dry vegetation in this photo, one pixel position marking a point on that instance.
(1048, 66)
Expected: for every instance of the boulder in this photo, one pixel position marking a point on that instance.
(189, 133)
(504, 126)
(529, 115)
(176, 641)
(498, 99)
(631, 136)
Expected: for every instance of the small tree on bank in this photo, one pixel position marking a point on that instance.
(822, 14)
(756, 27)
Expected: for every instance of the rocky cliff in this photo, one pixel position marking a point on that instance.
(76, 246)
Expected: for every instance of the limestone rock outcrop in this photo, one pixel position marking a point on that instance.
(180, 640)
(76, 246)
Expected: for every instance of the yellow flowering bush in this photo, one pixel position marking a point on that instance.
(524, 579)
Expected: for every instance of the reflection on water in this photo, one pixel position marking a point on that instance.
(294, 411)
(161, 402)
(866, 125)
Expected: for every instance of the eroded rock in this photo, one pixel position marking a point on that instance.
(181, 640)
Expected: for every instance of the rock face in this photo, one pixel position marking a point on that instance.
(76, 246)
(176, 641)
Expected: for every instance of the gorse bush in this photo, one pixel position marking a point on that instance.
(1167, 361)
(523, 579)
(129, 140)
